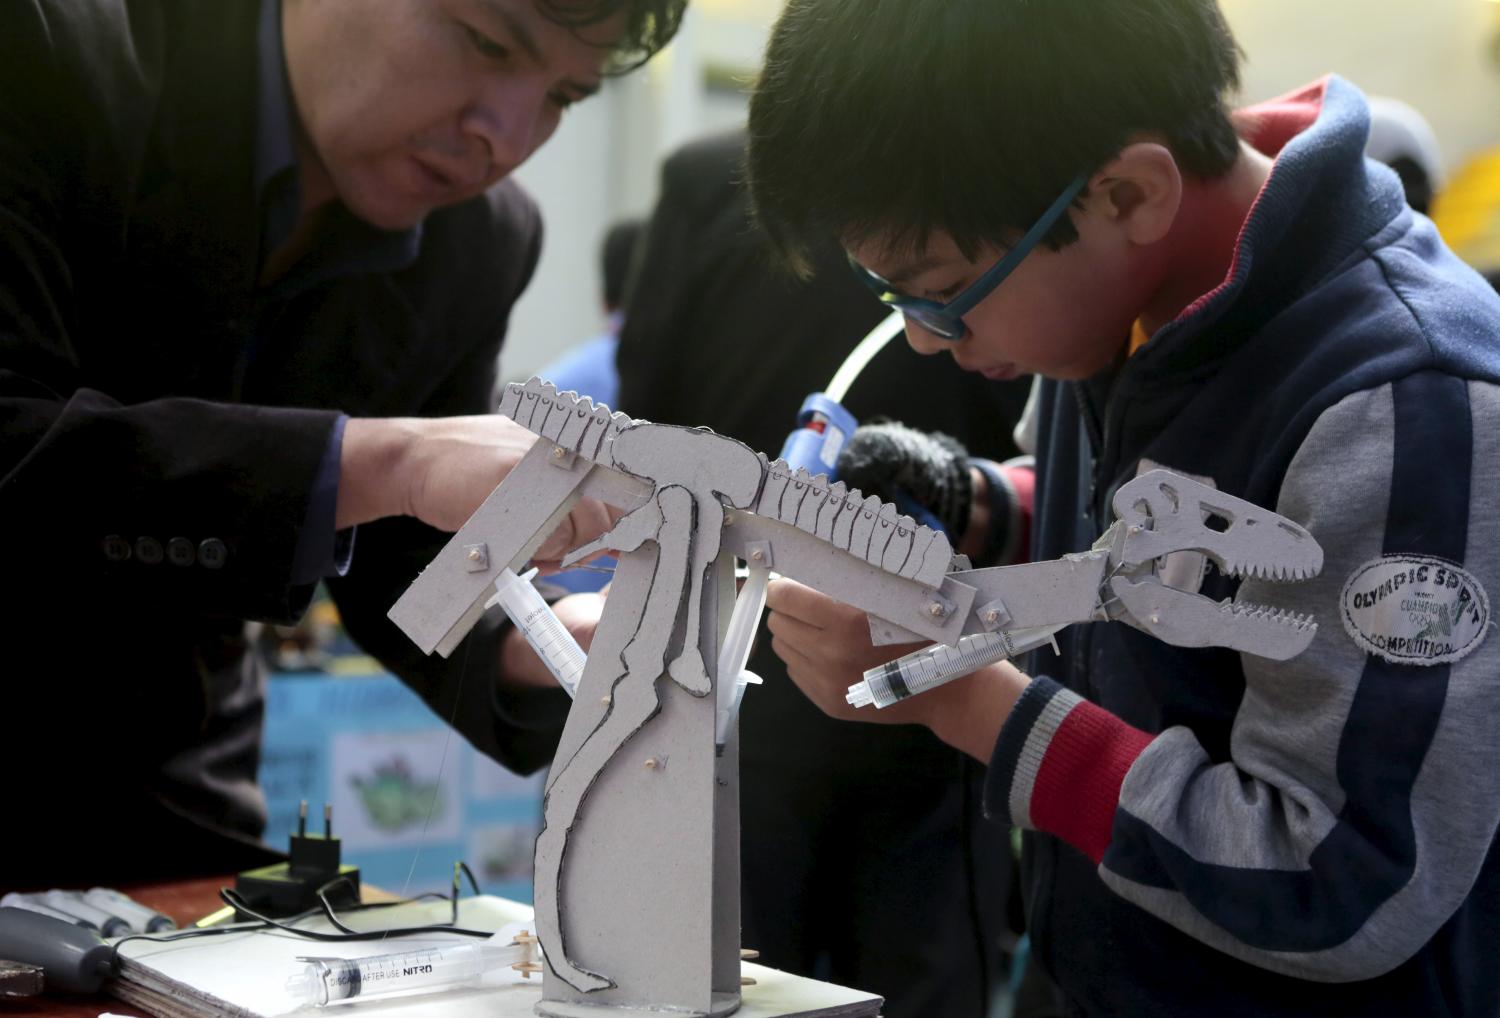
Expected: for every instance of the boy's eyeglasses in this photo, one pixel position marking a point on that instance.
(946, 320)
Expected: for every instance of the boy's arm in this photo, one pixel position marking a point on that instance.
(1363, 791)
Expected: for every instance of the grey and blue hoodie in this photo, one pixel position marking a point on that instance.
(1216, 833)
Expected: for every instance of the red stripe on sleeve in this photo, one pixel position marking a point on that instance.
(1077, 786)
(1022, 481)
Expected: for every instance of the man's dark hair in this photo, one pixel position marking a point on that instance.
(617, 257)
(649, 24)
(893, 118)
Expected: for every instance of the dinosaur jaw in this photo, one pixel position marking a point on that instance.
(1191, 620)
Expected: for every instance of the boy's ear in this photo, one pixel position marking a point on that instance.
(1139, 191)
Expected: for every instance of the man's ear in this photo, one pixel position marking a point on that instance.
(1139, 192)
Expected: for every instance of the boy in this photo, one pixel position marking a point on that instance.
(1240, 297)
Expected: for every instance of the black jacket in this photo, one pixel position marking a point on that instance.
(148, 393)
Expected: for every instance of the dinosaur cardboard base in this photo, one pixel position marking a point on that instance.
(637, 864)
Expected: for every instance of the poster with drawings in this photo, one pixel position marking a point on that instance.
(371, 747)
(393, 788)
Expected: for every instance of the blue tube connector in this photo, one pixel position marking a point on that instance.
(823, 427)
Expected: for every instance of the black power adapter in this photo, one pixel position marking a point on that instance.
(290, 887)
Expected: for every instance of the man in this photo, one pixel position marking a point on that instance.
(1060, 188)
(224, 227)
(855, 840)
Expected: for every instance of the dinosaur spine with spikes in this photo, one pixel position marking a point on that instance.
(866, 527)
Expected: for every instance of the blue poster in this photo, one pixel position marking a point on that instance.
(410, 796)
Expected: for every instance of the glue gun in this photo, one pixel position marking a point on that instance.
(824, 425)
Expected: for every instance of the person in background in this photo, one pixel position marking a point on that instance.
(864, 858)
(1402, 138)
(589, 368)
(1466, 210)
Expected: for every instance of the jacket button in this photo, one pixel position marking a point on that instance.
(116, 548)
(148, 550)
(180, 552)
(212, 553)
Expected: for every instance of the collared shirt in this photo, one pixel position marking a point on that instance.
(345, 246)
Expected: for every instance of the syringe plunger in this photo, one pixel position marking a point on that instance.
(933, 666)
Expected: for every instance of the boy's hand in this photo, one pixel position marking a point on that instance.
(826, 646)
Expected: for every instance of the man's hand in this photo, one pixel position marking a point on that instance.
(826, 646)
(440, 470)
(520, 665)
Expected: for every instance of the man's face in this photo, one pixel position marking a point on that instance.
(410, 105)
(1063, 314)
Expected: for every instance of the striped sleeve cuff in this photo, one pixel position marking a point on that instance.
(1059, 764)
(1011, 486)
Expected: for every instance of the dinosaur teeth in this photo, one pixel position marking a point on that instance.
(1257, 613)
(1277, 572)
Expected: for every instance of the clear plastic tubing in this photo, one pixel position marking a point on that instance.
(932, 666)
(324, 981)
(541, 627)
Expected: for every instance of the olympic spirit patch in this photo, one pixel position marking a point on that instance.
(1415, 609)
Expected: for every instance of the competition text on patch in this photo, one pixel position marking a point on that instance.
(1415, 609)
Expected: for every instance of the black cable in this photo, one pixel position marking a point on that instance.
(232, 898)
(458, 867)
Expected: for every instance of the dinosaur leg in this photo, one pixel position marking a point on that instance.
(633, 702)
(633, 529)
(687, 669)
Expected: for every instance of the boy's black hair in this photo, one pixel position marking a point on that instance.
(893, 118)
(649, 24)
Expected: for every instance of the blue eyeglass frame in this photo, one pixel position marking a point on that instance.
(946, 320)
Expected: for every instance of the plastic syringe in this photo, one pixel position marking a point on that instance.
(744, 620)
(932, 666)
(541, 627)
(324, 981)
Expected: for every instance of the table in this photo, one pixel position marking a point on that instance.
(187, 901)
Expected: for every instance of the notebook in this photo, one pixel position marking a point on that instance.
(244, 974)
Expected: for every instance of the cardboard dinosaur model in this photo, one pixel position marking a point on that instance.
(637, 864)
